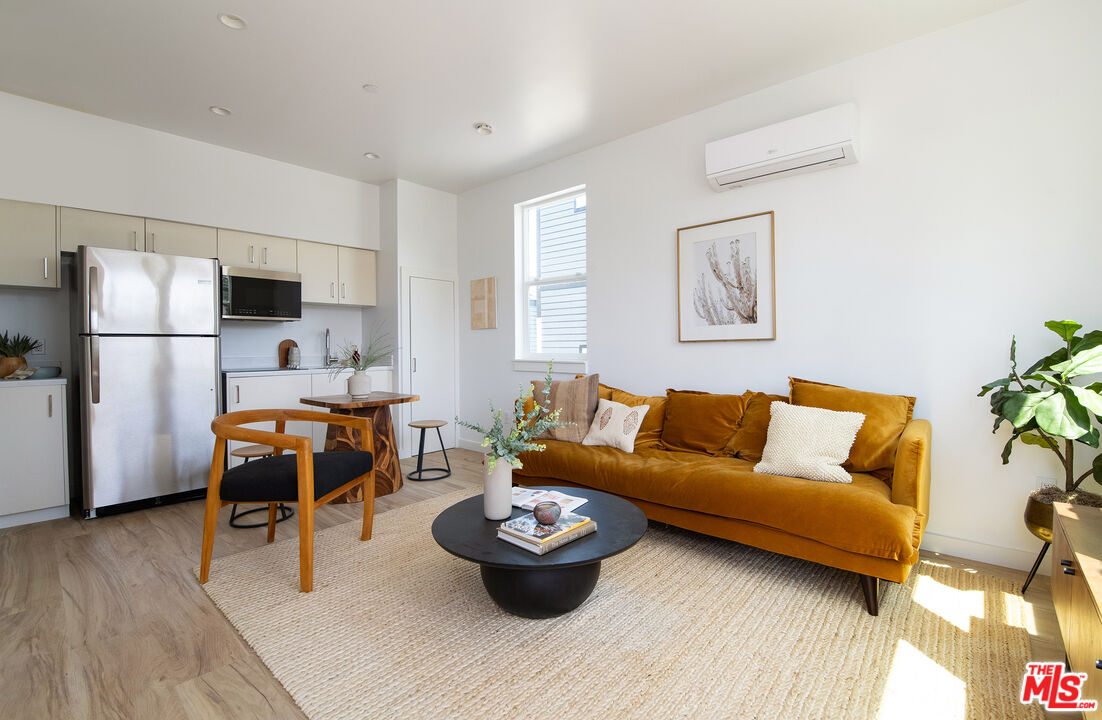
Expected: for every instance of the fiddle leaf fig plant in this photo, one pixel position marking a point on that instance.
(1046, 408)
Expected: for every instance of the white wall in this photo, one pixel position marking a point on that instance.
(906, 273)
(63, 157)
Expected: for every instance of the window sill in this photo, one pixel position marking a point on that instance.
(563, 367)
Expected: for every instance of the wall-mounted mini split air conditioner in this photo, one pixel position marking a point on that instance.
(821, 140)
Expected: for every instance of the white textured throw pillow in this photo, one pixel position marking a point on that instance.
(615, 425)
(809, 442)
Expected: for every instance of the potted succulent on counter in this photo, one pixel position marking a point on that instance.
(1048, 410)
(12, 351)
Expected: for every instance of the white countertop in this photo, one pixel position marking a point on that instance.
(256, 372)
(26, 383)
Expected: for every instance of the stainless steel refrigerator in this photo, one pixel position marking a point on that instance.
(148, 349)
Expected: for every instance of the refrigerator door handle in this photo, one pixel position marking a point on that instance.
(93, 299)
(93, 368)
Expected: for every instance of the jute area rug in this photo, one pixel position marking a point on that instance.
(681, 625)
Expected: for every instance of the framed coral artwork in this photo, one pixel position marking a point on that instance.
(725, 280)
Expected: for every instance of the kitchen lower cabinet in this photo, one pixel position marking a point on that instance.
(33, 445)
(100, 229)
(175, 238)
(28, 244)
(266, 392)
(264, 252)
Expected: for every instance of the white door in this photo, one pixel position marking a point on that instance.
(432, 357)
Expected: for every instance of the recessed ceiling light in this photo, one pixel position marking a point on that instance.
(371, 156)
(371, 87)
(220, 111)
(232, 21)
(483, 128)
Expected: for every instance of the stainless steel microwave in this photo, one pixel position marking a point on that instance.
(251, 294)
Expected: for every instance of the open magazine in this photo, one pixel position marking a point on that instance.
(527, 498)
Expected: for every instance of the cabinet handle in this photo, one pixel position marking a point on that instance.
(1066, 563)
(134, 238)
(1069, 571)
(342, 291)
(50, 405)
(153, 242)
(332, 289)
(265, 256)
(414, 365)
(1098, 664)
(250, 254)
(238, 393)
(45, 268)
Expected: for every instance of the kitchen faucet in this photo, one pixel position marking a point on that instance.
(330, 358)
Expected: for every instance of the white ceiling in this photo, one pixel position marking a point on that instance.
(553, 77)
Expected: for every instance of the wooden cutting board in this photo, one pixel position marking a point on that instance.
(284, 348)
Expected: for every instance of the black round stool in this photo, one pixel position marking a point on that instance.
(248, 453)
(419, 473)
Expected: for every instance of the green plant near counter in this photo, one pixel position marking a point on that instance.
(17, 345)
(352, 358)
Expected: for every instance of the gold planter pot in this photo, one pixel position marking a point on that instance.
(1038, 518)
(8, 365)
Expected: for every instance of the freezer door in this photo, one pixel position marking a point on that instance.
(146, 405)
(138, 293)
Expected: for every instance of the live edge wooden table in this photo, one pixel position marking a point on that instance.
(375, 407)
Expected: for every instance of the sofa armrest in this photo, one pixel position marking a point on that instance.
(911, 479)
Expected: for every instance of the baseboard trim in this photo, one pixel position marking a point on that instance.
(1016, 558)
(33, 516)
(473, 445)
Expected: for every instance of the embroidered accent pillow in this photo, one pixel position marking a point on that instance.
(615, 425)
(808, 442)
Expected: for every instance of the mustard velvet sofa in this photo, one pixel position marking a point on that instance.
(872, 527)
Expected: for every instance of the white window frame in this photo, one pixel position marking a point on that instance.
(525, 359)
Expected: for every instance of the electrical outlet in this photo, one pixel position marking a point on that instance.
(1044, 482)
(40, 350)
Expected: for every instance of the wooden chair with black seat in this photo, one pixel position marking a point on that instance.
(308, 478)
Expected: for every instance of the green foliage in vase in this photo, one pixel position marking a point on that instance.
(1046, 407)
(17, 345)
(507, 441)
(352, 358)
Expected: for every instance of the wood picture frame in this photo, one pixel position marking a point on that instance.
(484, 304)
(726, 280)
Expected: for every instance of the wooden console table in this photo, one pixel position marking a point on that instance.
(1077, 590)
(376, 407)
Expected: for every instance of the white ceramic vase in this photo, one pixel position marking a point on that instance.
(359, 384)
(497, 491)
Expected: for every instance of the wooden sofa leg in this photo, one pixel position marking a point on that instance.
(870, 585)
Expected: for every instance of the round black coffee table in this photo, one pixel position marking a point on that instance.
(540, 586)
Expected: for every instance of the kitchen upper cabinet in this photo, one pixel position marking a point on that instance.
(174, 238)
(100, 229)
(267, 391)
(28, 244)
(33, 445)
(265, 252)
(357, 276)
(317, 263)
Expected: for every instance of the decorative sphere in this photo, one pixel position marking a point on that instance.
(547, 512)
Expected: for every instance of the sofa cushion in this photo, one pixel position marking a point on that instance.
(650, 433)
(885, 418)
(275, 479)
(859, 517)
(577, 402)
(700, 422)
(748, 440)
(809, 442)
(615, 425)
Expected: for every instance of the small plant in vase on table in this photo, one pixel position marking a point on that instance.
(505, 442)
(351, 358)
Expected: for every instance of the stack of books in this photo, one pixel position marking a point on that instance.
(525, 532)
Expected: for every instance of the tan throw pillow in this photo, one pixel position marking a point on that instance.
(700, 422)
(577, 400)
(885, 418)
(808, 442)
(749, 440)
(615, 425)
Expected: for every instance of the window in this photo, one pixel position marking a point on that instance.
(551, 291)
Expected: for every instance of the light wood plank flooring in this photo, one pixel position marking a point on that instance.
(105, 619)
